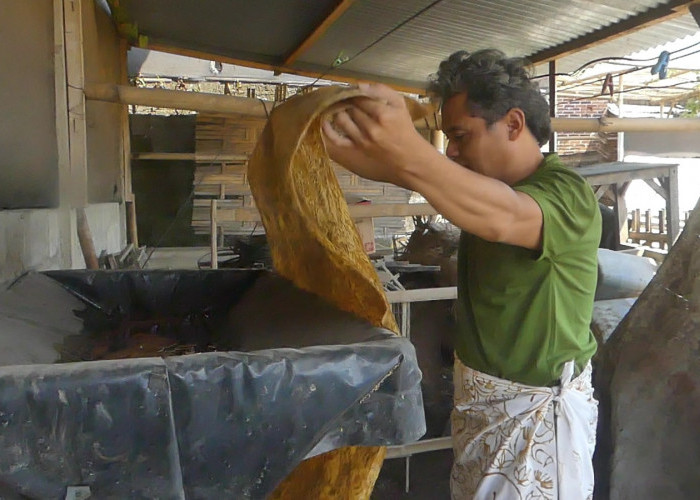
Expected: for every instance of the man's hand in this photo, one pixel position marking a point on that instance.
(374, 135)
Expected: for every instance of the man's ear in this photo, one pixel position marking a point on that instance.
(515, 121)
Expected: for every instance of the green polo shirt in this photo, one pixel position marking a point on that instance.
(522, 314)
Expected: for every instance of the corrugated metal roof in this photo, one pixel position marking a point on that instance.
(267, 31)
(413, 51)
(653, 36)
(262, 31)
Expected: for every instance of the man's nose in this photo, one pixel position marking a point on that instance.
(452, 152)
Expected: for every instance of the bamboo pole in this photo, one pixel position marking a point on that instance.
(132, 228)
(625, 124)
(85, 239)
(177, 99)
(225, 104)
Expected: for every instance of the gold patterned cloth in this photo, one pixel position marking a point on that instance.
(513, 441)
(314, 244)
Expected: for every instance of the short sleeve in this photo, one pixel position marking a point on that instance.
(571, 218)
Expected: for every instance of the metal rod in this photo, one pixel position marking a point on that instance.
(423, 446)
(407, 486)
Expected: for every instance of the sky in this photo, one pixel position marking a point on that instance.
(641, 196)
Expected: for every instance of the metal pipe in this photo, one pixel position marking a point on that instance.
(423, 446)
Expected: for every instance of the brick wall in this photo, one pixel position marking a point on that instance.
(601, 147)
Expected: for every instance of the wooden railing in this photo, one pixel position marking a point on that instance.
(649, 227)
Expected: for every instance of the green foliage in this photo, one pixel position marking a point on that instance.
(691, 107)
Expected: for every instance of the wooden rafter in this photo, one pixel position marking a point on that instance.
(282, 68)
(656, 15)
(318, 32)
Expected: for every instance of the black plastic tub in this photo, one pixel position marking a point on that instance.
(301, 378)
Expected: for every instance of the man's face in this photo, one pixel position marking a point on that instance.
(472, 143)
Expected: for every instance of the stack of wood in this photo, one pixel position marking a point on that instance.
(223, 145)
(129, 258)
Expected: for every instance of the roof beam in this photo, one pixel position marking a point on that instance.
(656, 15)
(339, 10)
(324, 74)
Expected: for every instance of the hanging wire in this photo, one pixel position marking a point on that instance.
(614, 60)
(339, 61)
(631, 89)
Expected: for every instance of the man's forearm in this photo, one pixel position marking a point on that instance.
(478, 204)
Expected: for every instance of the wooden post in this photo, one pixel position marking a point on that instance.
(636, 220)
(85, 239)
(75, 75)
(214, 240)
(553, 102)
(662, 228)
(620, 211)
(65, 217)
(127, 188)
(647, 221)
(620, 135)
(672, 206)
(131, 227)
(406, 319)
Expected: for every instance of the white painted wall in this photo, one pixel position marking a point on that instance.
(33, 239)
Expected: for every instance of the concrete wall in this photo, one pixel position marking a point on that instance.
(28, 163)
(36, 232)
(31, 239)
(671, 144)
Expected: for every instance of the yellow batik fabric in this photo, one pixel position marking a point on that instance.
(314, 244)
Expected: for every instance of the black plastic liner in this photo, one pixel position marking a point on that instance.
(207, 425)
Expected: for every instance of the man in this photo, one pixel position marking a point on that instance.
(523, 424)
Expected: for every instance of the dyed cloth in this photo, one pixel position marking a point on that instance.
(315, 245)
(513, 441)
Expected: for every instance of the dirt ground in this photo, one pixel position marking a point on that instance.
(429, 477)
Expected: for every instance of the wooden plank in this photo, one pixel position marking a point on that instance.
(75, 77)
(672, 206)
(650, 17)
(318, 31)
(422, 295)
(648, 236)
(125, 160)
(244, 214)
(214, 233)
(132, 228)
(199, 157)
(622, 176)
(68, 237)
(281, 68)
(656, 187)
(231, 179)
(600, 191)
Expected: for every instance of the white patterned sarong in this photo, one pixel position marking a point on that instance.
(514, 441)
